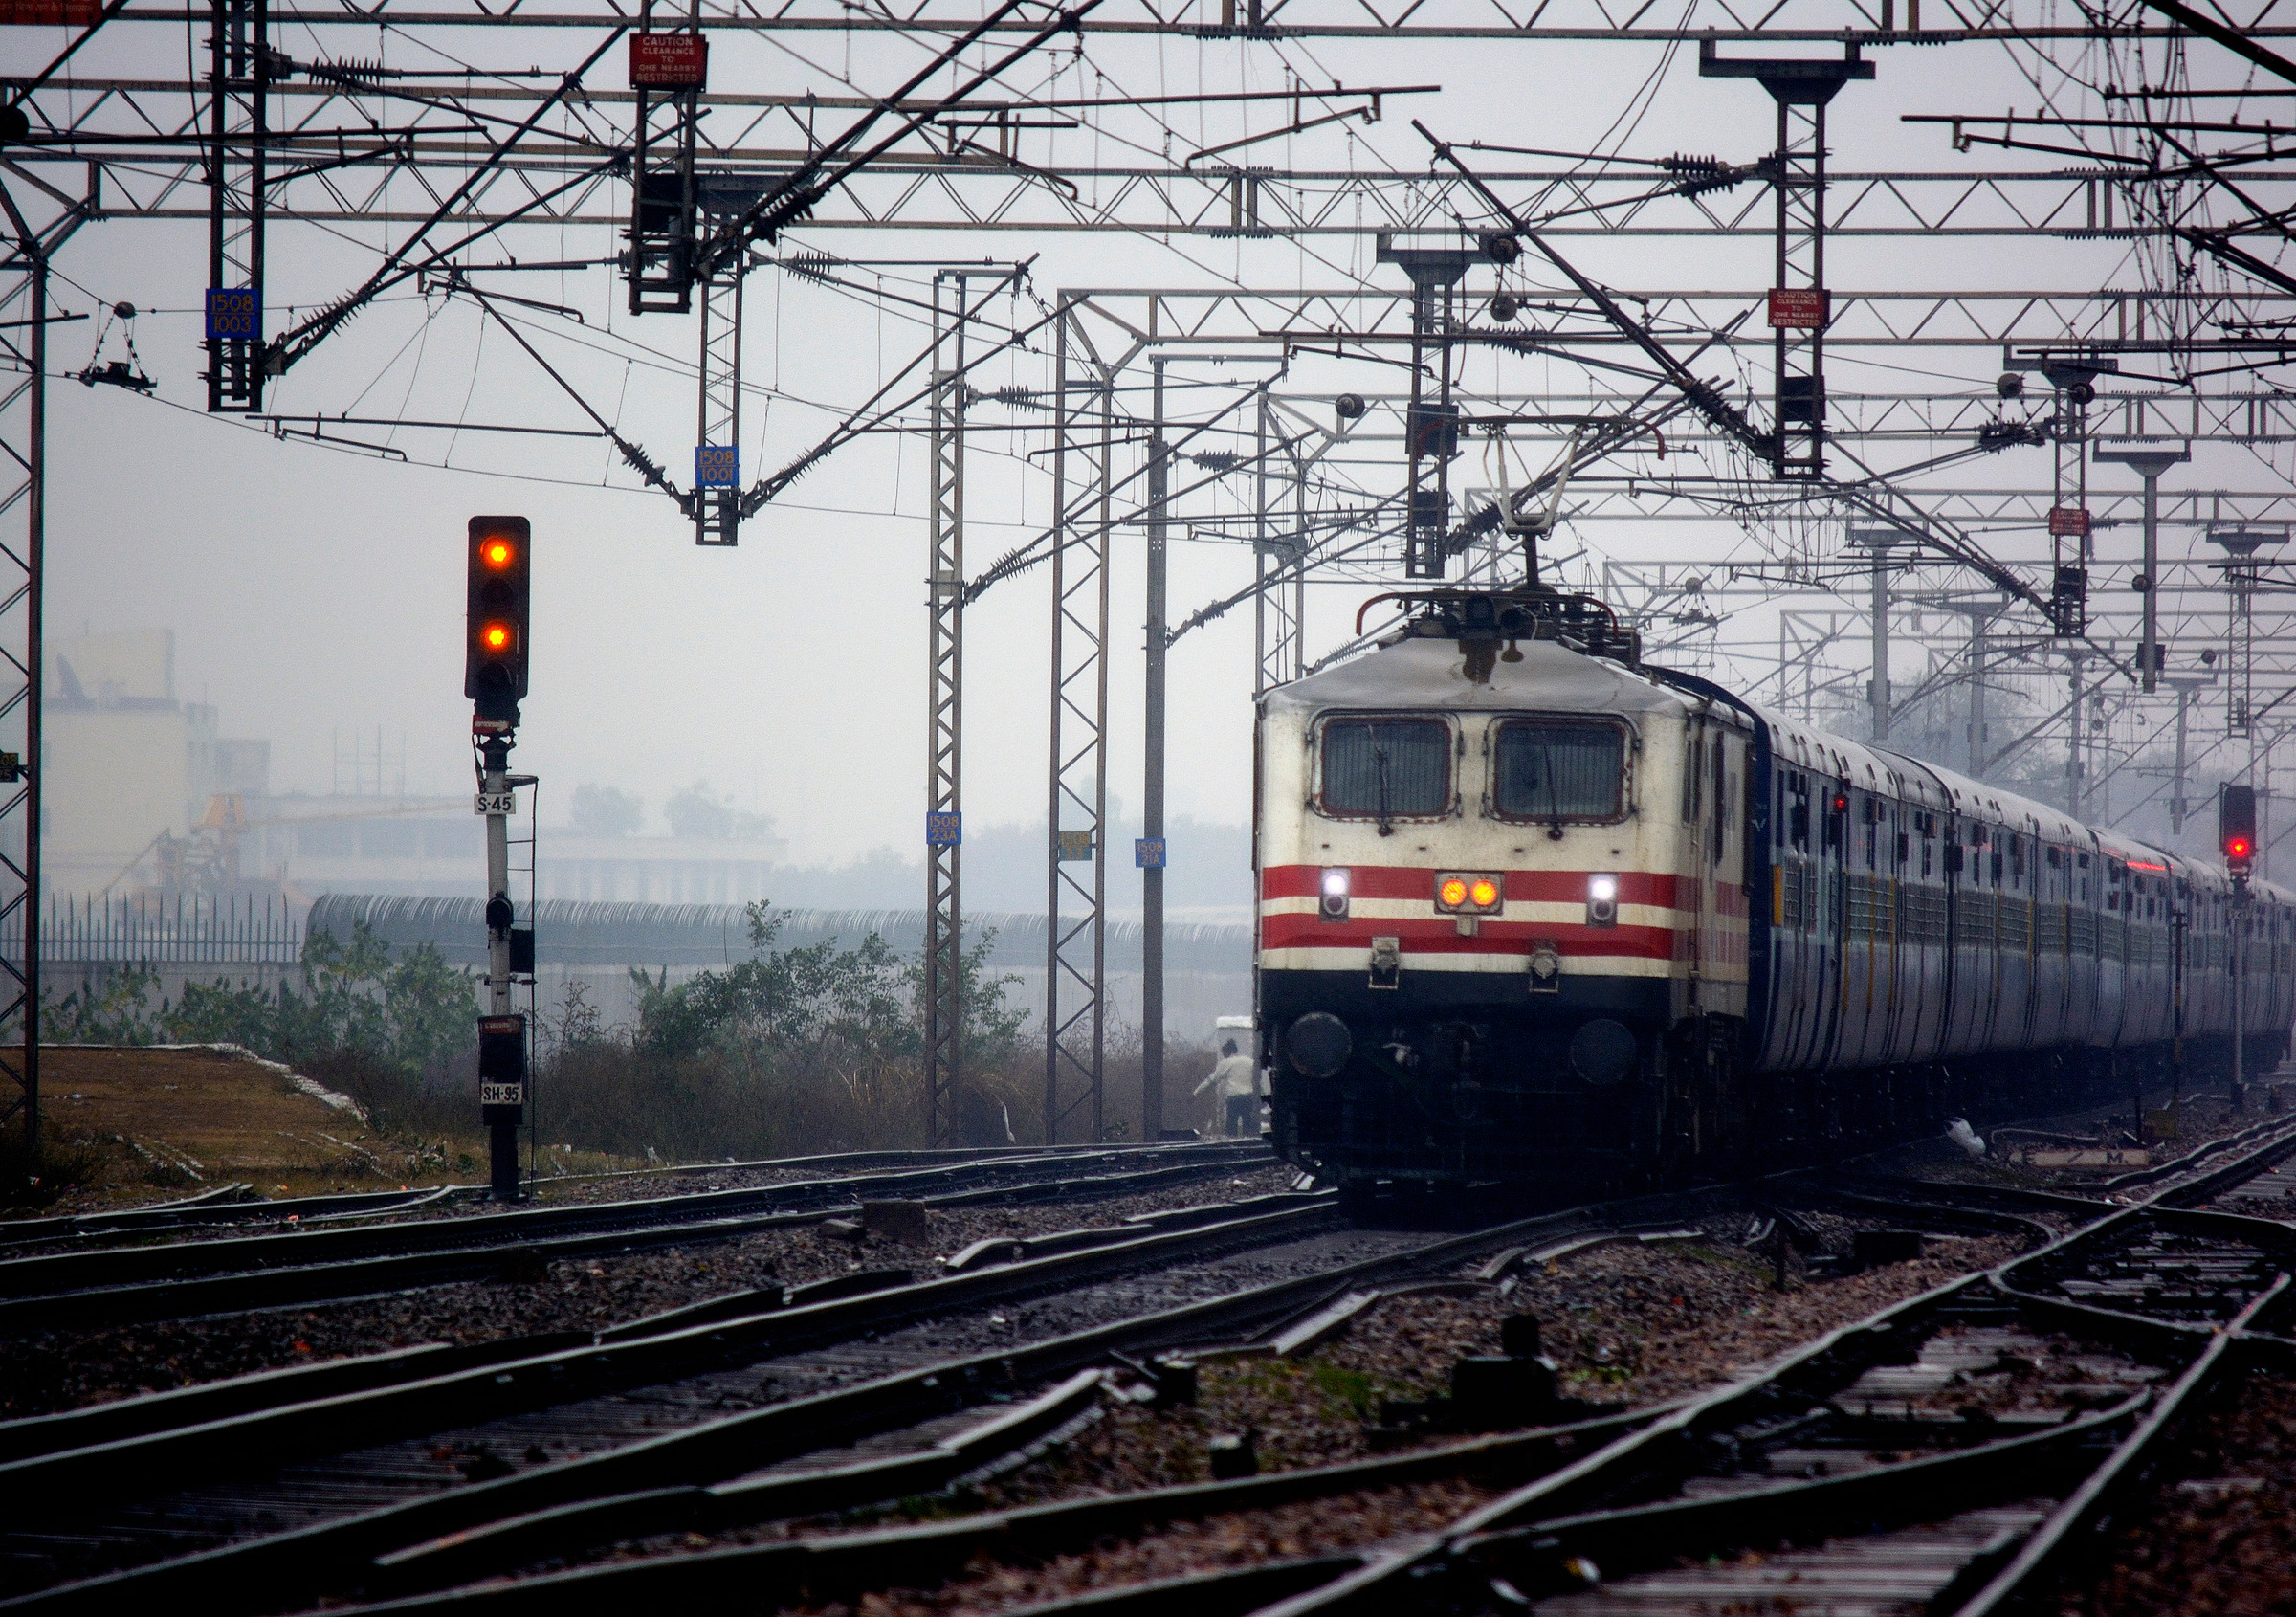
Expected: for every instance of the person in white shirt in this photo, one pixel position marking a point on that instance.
(1236, 1082)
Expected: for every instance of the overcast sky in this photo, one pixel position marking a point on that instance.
(317, 590)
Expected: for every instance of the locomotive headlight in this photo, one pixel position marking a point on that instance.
(1331, 900)
(1602, 899)
(1468, 892)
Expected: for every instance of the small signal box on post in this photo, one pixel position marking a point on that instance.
(503, 1070)
(2236, 829)
(495, 657)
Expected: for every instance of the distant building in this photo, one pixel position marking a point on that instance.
(430, 847)
(131, 772)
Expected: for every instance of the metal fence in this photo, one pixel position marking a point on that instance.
(181, 931)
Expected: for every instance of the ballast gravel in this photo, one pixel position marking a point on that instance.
(53, 1371)
(1626, 1325)
(1314, 1527)
(2217, 1536)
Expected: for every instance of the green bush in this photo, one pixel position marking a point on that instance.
(786, 1053)
(402, 1019)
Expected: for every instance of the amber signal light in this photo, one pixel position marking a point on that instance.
(1468, 892)
(499, 606)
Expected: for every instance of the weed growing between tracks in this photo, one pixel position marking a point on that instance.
(1625, 1324)
(1672, 1317)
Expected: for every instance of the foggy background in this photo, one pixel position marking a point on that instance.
(315, 594)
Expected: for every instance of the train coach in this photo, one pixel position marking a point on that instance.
(1528, 910)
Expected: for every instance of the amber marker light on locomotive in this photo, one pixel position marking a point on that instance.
(1331, 900)
(1602, 899)
(1468, 892)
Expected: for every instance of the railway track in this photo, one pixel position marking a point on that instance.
(687, 1417)
(1950, 1454)
(336, 1487)
(240, 1204)
(175, 1279)
(1944, 1454)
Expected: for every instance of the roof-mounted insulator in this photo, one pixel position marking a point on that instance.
(1696, 176)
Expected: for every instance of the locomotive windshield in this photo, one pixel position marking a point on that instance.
(1384, 768)
(1555, 770)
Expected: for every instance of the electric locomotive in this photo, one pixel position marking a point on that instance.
(1530, 910)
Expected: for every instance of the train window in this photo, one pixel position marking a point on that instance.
(1380, 768)
(1997, 870)
(1553, 770)
(1692, 769)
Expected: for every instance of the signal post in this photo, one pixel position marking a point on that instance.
(495, 678)
(2235, 834)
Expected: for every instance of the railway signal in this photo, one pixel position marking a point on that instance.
(494, 677)
(2235, 830)
(494, 670)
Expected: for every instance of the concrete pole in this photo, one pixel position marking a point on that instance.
(2072, 749)
(1880, 691)
(1152, 792)
(2185, 707)
(2239, 962)
(2148, 463)
(1977, 699)
(2184, 685)
(2149, 641)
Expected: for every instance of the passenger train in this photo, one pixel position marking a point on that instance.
(1530, 910)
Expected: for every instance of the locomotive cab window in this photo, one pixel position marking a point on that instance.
(1386, 769)
(1553, 770)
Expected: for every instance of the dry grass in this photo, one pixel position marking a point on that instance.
(145, 1125)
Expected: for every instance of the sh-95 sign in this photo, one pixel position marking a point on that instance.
(502, 1069)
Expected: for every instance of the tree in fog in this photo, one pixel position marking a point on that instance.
(606, 810)
(700, 813)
